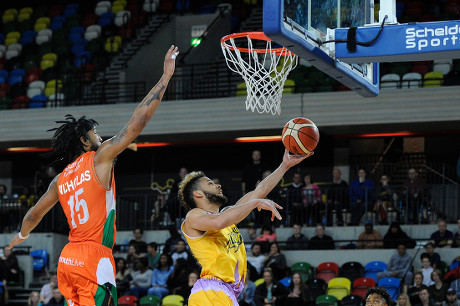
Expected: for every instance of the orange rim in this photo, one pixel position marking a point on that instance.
(252, 35)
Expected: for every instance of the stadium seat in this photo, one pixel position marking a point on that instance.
(422, 67)
(303, 268)
(372, 268)
(2, 50)
(122, 17)
(173, 300)
(286, 281)
(38, 101)
(392, 285)
(390, 80)
(352, 300)
(411, 80)
(93, 32)
(32, 92)
(37, 84)
(455, 284)
(102, 7)
(433, 79)
(56, 100)
(259, 281)
(52, 87)
(127, 300)
(113, 44)
(443, 66)
(5, 102)
(241, 90)
(289, 87)
(339, 287)
(317, 287)
(150, 5)
(14, 79)
(326, 300)
(18, 71)
(352, 270)
(327, 271)
(45, 64)
(361, 285)
(40, 258)
(150, 300)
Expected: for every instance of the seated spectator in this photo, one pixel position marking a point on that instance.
(337, 195)
(299, 294)
(276, 261)
(270, 292)
(395, 236)
(426, 269)
(424, 296)
(435, 258)
(321, 241)
(457, 234)
(57, 299)
(385, 199)
(412, 292)
(142, 278)
(182, 252)
(179, 276)
(170, 243)
(185, 291)
(152, 255)
(12, 264)
(297, 241)
(141, 245)
(46, 292)
(252, 236)
(403, 300)
(132, 256)
(442, 238)
(451, 298)
(265, 238)
(160, 276)
(246, 298)
(370, 238)
(256, 259)
(438, 290)
(399, 266)
(123, 276)
(311, 199)
(34, 299)
(361, 194)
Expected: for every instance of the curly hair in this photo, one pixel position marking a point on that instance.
(186, 188)
(66, 142)
(383, 294)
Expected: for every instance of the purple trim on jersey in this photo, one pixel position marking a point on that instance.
(238, 285)
(205, 284)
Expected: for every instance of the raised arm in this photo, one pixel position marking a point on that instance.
(199, 220)
(141, 116)
(273, 179)
(36, 212)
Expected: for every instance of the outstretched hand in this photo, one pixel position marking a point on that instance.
(170, 60)
(292, 160)
(269, 205)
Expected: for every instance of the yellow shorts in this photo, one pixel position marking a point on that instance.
(211, 292)
(86, 274)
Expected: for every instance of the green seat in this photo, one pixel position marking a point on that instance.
(5, 102)
(150, 300)
(326, 300)
(304, 268)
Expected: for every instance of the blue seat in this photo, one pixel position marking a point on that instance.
(40, 258)
(14, 79)
(74, 6)
(27, 40)
(38, 101)
(82, 59)
(286, 281)
(74, 36)
(80, 41)
(18, 71)
(69, 12)
(29, 33)
(392, 285)
(58, 19)
(78, 49)
(55, 25)
(372, 268)
(77, 29)
(4, 73)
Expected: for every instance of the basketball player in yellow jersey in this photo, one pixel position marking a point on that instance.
(213, 236)
(86, 191)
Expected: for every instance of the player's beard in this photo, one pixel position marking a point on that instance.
(217, 199)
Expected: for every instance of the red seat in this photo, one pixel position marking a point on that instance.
(89, 19)
(327, 271)
(361, 285)
(20, 102)
(422, 67)
(127, 300)
(55, 10)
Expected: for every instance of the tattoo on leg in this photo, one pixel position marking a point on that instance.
(120, 135)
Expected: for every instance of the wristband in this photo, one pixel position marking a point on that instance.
(22, 237)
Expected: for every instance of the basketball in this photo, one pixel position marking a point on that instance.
(300, 136)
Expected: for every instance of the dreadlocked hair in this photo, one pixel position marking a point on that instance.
(66, 142)
(383, 294)
(186, 188)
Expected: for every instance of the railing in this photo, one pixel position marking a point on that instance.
(331, 206)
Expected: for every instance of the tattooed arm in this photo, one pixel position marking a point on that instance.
(141, 116)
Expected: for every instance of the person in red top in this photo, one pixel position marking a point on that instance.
(86, 191)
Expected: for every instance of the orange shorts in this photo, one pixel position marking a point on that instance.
(86, 274)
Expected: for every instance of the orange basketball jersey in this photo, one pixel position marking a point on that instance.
(87, 204)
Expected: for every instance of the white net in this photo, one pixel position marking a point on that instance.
(264, 73)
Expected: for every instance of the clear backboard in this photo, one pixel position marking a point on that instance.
(306, 28)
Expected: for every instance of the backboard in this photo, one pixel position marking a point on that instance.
(303, 26)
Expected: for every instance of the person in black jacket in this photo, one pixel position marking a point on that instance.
(396, 236)
(270, 292)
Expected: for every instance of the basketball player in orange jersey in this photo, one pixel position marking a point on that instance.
(86, 191)
(213, 236)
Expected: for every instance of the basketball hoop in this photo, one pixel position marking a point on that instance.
(264, 70)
